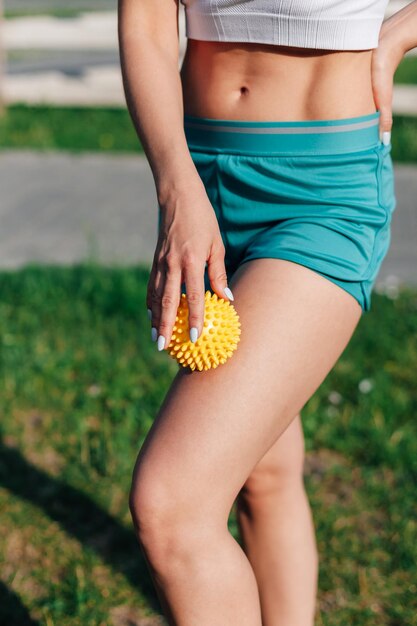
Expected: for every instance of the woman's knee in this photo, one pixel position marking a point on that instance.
(146, 503)
(152, 505)
(168, 522)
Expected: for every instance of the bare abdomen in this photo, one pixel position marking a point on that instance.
(251, 81)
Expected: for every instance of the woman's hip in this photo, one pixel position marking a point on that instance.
(317, 192)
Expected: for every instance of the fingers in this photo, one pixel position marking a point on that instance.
(385, 124)
(150, 297)
(194, 268)
(382, 77)
(217, 272)
(385, 110)
(168, 305)
(382, 87)
(164, 290)
(165, 293)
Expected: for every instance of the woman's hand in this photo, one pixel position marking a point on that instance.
(189, 236)
(385, 60)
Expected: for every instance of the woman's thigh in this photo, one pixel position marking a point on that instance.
(213, 427)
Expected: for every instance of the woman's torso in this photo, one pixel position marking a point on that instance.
(254, 81)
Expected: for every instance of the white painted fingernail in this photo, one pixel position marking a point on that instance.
(193, 334)
(149, 314)
(154, 333)
(228, 293)
(161, 342)
(386, 137)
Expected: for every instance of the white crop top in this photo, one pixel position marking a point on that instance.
(325, 24)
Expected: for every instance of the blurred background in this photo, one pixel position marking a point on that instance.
(81, 381)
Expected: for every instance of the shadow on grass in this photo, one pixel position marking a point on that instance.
(12, 610)
(80, 517)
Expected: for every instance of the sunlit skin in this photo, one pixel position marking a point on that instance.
(234, 433)
(250, 81)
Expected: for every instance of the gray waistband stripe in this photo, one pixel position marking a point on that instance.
(273, 130)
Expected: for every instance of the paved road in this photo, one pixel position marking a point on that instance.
(70, 206)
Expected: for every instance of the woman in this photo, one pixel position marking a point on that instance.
(270, 152)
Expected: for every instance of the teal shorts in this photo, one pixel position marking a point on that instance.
(319, 193)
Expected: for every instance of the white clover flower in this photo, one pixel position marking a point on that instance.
(365, 385)
(94, 390)
(331, 411)
(334, 397)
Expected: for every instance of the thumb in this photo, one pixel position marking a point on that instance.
(217, 272)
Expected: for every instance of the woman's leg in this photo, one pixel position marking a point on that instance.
(214, 427)
(277, 532)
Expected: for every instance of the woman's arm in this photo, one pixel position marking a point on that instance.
(400, 30)
(149, 53)
(189, 234)
(398, 35)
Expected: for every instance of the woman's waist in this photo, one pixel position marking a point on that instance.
(263, 82)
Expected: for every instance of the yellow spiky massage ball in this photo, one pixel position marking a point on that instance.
(217, 341)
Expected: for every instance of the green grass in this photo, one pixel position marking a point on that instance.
(61, 12)
(407, 71)
(76, 129)
(80, 384)
(79, 129)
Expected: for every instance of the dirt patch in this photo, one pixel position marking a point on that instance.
(319, 462)
(130, 616)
